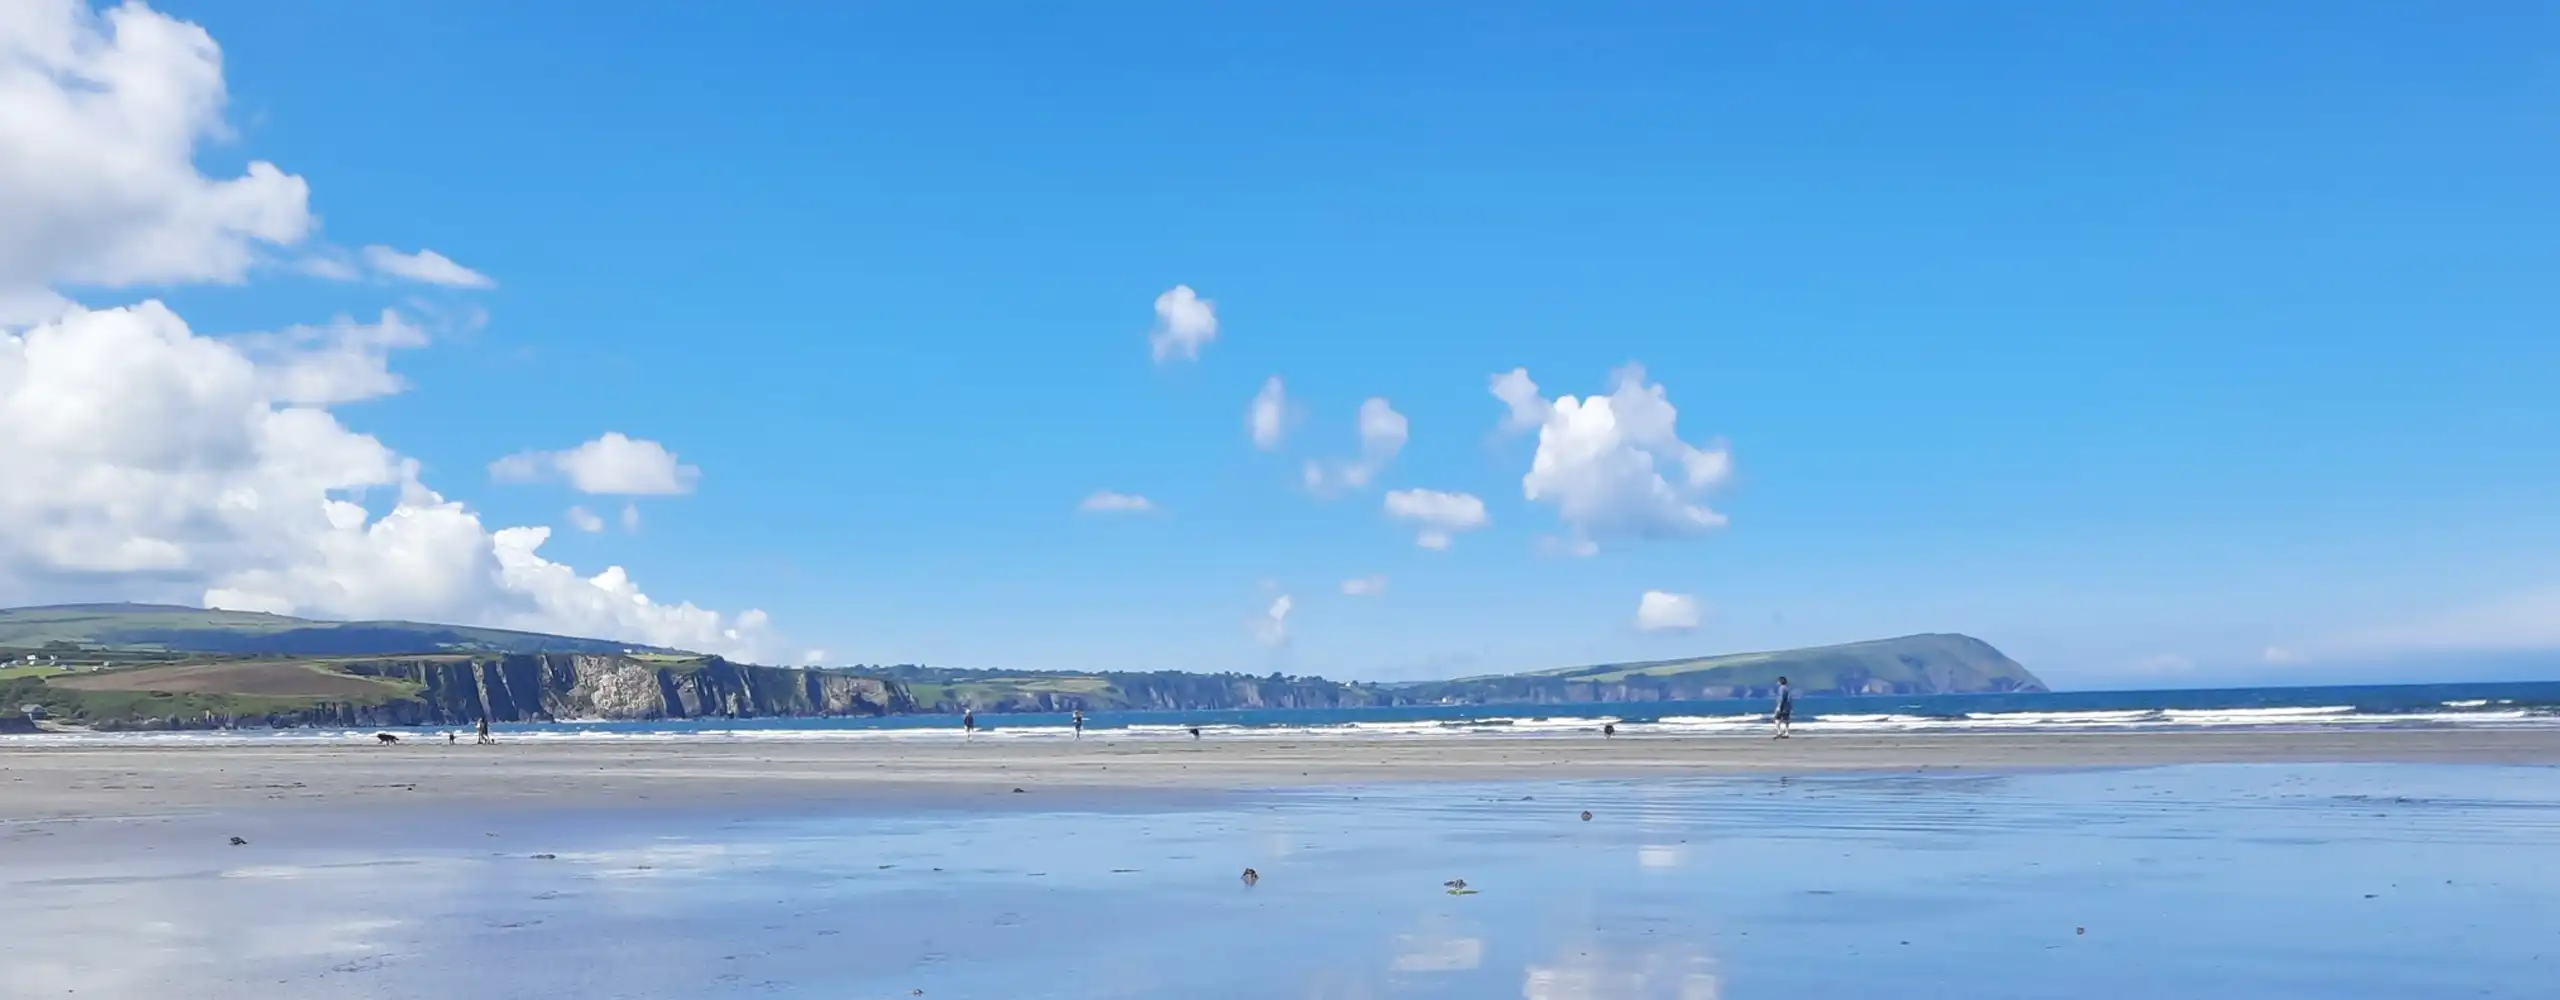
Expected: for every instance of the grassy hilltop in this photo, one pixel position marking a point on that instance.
(162, 666)
(1911, 664)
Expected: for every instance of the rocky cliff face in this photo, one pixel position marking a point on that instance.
(1172, 691)
(541, 687)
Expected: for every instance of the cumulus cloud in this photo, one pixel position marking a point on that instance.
(340, 362)
(1271, 628)
(613, 465)
(141, 460)
(1383, 433)
(1661, 611)
(1614, 466)
(1527, 409)
(1108, 502)
(585, 520)
(1440, 515)
(1268, 418)
(1184, 322)
(147, 461)
(1364, 586)
(100, 115)
(425, 267)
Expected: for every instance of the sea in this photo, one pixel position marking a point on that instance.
(2515, 704)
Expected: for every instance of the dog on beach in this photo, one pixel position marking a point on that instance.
(386, 739)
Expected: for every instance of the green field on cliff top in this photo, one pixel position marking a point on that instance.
(154, 661)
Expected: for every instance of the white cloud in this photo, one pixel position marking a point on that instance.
(1515, 390)
(585, 520)
(148, 462)
(140, 460)
(1364, 586)
(100, 114)
(342, 362)
(1184, 322)
(1383, 433)
(630, 518)
(1108, 502)
(425, 266)
(813, 657)
(1661, 611)
(1614, 466)
(1440, 515)
(1272, 627)
(2526, 621)
(613, 464)
(1268, 418)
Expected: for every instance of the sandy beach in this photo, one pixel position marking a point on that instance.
(54, 780)
(1695, 873)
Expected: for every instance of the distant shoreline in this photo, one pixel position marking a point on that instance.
(74, 781)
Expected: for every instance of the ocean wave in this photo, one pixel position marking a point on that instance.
(1571, 721)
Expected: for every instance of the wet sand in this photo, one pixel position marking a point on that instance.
(2279, 881)
(53, 780)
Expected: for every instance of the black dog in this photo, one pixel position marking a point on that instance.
(386, 738)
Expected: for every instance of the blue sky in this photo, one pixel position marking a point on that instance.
(2153, 343)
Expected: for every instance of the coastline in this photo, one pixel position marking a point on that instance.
(61, 781)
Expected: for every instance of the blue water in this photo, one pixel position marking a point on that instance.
(2529, 703)
(2519, 704)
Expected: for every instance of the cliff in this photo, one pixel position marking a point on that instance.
(452, 690)
(940, 690)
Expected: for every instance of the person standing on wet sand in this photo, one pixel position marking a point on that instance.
(483, 739)
(1786, 714)
(1078, 720)
(968, 722)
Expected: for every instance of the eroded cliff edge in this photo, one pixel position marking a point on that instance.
(544, 687)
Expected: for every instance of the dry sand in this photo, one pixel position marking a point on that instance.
(51, 780)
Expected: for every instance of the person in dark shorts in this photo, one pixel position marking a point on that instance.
(968, 722)
(1786, 715)
(1079, 723)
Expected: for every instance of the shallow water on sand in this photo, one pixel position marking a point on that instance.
(2338, 881)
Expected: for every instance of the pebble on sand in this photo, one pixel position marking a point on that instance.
(1586, 815)
(239, 842)
(1251, 876)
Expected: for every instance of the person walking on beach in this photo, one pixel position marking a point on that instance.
(483, 739)
(968, 722)
(1078, 720)
(1786, 715)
